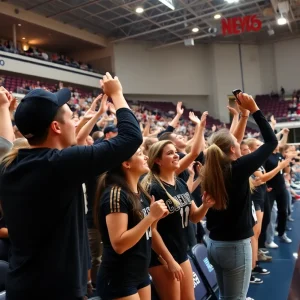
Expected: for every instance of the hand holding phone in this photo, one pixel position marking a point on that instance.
(235, 93)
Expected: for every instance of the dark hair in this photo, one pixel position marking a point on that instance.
(116, 177)
(41, 138)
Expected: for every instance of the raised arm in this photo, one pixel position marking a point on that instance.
(239, 131)
(96, 159)
(235, 119)
(198, 145)
(6, 129)
(248, 164)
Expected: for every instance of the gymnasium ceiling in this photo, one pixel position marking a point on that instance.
(117, 19)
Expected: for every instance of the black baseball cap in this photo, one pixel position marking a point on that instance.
(37, 110)
(110, 128)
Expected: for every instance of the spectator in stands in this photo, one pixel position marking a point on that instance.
(124, 213)
(169, 239)
(58, 236)
(110, 131)
(226, 179)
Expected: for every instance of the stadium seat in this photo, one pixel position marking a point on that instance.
(200, 256)
(200, 290)
(3, 272)
(3, 295)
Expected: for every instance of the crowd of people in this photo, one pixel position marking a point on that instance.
(100, 195)
(38, 53)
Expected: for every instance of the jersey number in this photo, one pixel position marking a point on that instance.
(148, 233)
(185, 212)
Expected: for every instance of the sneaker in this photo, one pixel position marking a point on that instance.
(285, 239)
(271, 245)
(260, 270)
(264, 257)
(290, 219)
(264, 250)
(255, 280)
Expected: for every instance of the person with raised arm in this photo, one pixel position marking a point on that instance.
(41, 193)
(225, 177)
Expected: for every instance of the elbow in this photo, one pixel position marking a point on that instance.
(118, 248)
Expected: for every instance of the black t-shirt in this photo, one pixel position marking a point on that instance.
(236, 221)
(277, 182)
(173, 228)
(259, 192)
(42, 199)
(130, 267)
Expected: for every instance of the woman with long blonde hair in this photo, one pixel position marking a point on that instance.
(225, 178)
(170, 268)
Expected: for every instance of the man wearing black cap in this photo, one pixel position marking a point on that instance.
(41, 193)
(110, 132)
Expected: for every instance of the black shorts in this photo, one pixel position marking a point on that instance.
(109, 290)
(155, 261)
(258, 204)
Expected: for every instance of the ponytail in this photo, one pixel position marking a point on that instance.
(213, 176)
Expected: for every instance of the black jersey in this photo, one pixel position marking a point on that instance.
(259, 191)
(173, 228)
(131, 266)
(277, 182)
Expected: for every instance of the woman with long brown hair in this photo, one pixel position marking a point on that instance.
(124, 213)
(170, 268)
(225, 178)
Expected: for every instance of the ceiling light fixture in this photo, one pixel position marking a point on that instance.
(168, 3)
(139, 10)
(23, 38)
(217, 16)
(231, 1)
(281, 21)
(195, 29)
(19, 25)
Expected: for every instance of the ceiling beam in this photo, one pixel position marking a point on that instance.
(227, 8)
(39, 4)
(72, 8)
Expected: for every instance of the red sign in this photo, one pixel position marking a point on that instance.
(238, 25)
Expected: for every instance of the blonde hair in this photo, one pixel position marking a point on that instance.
(18, 144)
(156, 152)
(250, 142)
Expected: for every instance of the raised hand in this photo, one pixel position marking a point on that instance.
(179, 109)
(103, 105)
(232, 110)
(203, 119)
(158, 209)
(5, 97)
(92, 110)
(191, 169)
(112, 108)
(247, 102)
(111, 86)
(194, 118)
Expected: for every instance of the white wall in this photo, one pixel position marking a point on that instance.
(267, 68)
(226, 76)
(251, 69)
(170, 71)
(287, 59)
(26, 65)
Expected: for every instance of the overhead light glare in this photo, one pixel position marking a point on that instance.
(23, 38)
(217, 16)
(231, 1)
(168, 3)
(281, 21)
(139, 10)
(195, 29)
(19, 25)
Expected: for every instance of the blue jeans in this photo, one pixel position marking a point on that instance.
(233, 263)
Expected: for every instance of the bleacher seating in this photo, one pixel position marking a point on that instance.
(273, 105)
